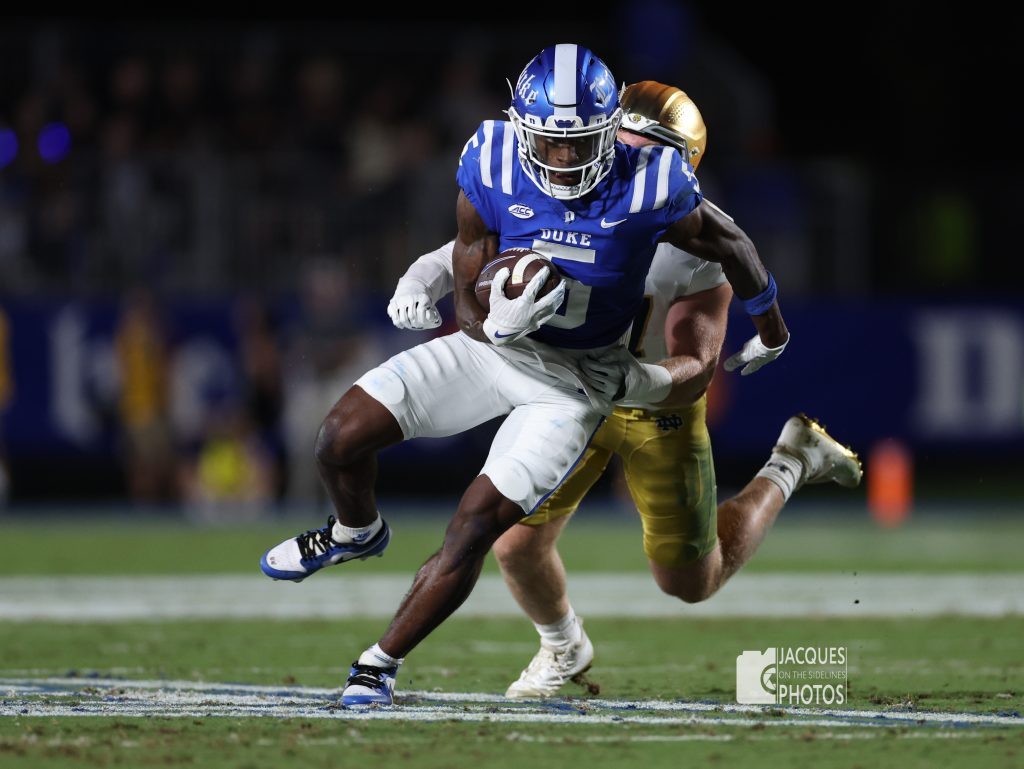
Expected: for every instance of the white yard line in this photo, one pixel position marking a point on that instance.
(400, 738)
(850, 736)
(71, 697)
(348, 594)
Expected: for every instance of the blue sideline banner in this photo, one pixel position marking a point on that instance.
(944, 377)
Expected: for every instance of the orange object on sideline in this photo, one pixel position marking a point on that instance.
(890, 481)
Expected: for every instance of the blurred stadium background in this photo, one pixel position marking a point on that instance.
(201, 222)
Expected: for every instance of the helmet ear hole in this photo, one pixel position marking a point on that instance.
(565, 98)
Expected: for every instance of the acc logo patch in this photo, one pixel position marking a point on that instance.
(519, 211)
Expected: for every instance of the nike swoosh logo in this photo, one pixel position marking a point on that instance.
(499, 335)
(606, 225)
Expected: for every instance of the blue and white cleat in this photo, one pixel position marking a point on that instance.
(369, 685)
(297, 558)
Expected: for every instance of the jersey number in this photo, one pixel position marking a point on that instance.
(577, 295)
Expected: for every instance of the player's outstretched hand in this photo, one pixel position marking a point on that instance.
(413, 312)
(753, 356)
(511, 319)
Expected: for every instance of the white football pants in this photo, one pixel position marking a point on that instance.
(453, 383)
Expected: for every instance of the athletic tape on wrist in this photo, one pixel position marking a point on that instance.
(760, 304)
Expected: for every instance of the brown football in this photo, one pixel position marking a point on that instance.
(523, 264)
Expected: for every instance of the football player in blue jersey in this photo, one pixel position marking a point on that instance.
(552, 179)
(693, 544)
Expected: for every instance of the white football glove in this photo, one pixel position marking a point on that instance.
(754, 354)
(616, 375)
(604, 380)
(512, 319)
(413, 311)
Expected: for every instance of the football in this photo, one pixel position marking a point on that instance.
(523, 265)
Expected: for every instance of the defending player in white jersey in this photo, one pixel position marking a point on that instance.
(692, 546)
(552, 177)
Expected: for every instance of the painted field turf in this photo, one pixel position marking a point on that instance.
(666, 691)
(924, 691)
(800, 541)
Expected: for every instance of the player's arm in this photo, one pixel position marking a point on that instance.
(432, 273)
(509, 319)
(475, 246)
(427, 280)
(709, 233)
(694, 333)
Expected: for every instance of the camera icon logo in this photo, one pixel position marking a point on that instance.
(756, 682)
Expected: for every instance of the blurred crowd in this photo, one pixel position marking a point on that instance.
(216, 155)
(229, 430)
(185, 166)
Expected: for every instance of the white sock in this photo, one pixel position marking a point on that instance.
(785, 471)
(562, 633)
(356, 534)
(376, 657)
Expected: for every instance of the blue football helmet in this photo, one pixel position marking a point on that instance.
(565, 112)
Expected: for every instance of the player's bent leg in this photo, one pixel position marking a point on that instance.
(533, 569)
(409, 395)
(521, 467)
(446, 579)
(691, 582)
(742, 523)
(671, 476)
(535, 575)
(441, 585)
(535, 448)
(356, 428)
(804, 453)
(526, 553)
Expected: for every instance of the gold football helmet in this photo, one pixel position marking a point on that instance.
(667, 114)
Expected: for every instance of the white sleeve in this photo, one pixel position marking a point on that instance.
(706, 275)
(431, 274)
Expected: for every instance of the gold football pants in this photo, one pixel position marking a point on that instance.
(667, 460)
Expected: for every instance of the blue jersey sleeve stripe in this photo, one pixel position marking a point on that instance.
(507, 158)
(664, 170)
(471, 144)
(640, 180)
(485, 153)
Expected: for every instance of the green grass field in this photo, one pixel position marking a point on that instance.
(807, 543)
(256, 693)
